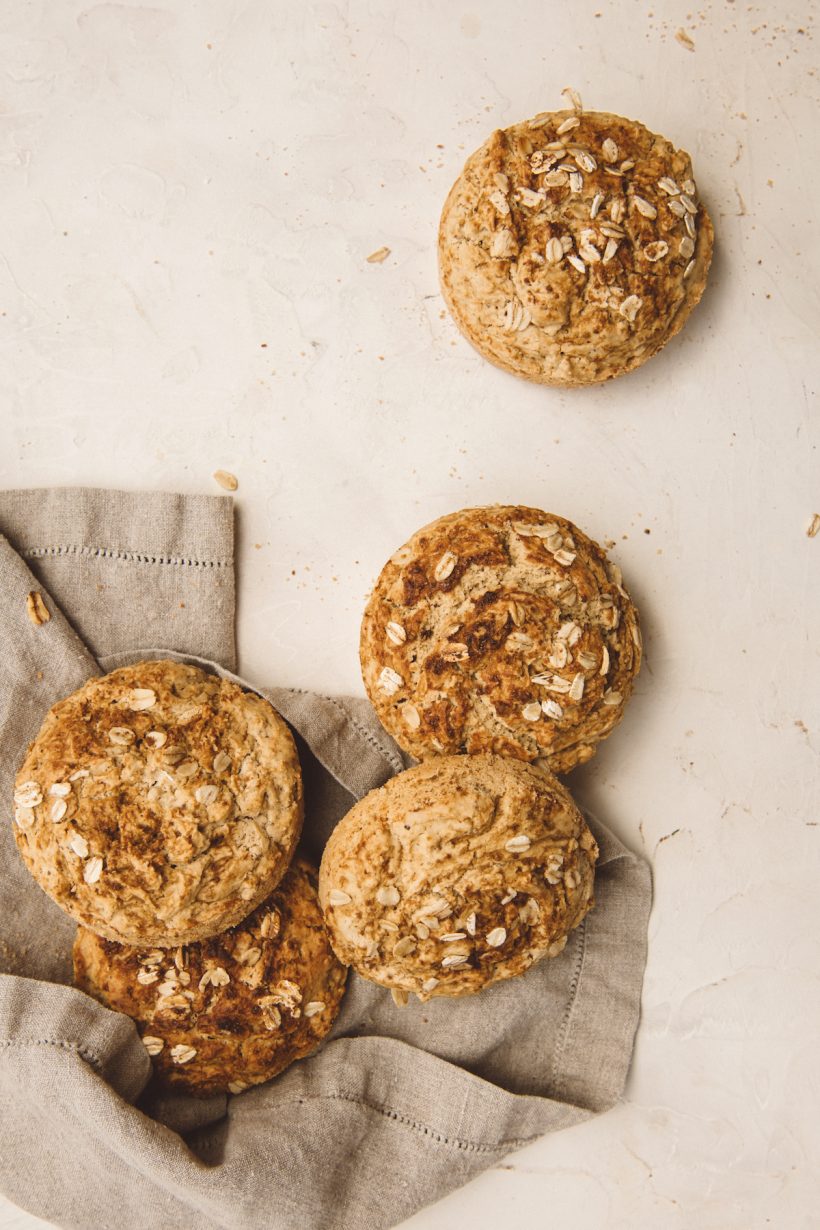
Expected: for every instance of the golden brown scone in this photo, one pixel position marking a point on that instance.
(455, 874)
(572, 247)
(501, 629)
(233, 1010)
(159, 804)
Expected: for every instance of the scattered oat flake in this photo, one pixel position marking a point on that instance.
(152, 1045)
(121, 735)
(79, 845)
(142, 698)
(518, 844)
(37, 610)
(395, 632)
(573, 97)
(93, 870)
(445, 566)
(814, 527)
(28, 794)
(182, 1053)
(376, 258)
(684, 40)
(217, 977)
(389, 681)
(58, 810)
(226, 480)
(314, 1007)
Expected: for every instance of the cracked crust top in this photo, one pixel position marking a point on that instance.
(456, 874)
(572, 247)
(231, 1011)
(159, 804)
(501, 629)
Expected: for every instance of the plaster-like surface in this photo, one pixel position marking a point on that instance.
(189, 192)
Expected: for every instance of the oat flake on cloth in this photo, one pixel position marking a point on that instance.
(400, 1105)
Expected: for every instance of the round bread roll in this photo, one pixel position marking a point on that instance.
(501, 629)
(456, 874)
(572, 247)
(231, 1011)
(159, 804)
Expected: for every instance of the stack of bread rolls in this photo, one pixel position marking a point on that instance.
(498, 647)
(160, 806)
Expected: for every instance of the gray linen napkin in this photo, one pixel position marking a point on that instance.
(400, 1106)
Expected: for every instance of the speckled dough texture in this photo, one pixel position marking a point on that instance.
(159, 804)
(457, 873)
(231, 1011)
(572, 247)
(500, 629)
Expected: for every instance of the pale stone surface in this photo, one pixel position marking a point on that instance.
(190, 196)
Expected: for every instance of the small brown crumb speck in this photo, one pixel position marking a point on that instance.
(226, 479)
(376, 258)
(814, 527)
(684, 40)
(37, 610)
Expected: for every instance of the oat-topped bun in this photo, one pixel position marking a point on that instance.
(573, 247)
(500, 629)
(159, 804)
(456, 874)
(233, 1010)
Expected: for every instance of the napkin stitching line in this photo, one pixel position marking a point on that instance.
(471, 1146)
(94, 1060)
(134, 557)
(563, 1033)
(458, 1142)
(394, 763)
